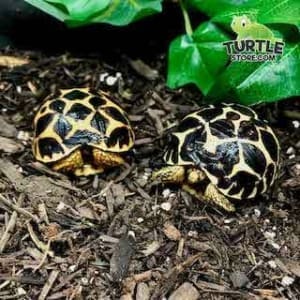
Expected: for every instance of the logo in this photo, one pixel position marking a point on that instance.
(254, 42)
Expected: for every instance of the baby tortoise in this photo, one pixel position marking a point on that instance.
(220, 153)
(81, 132)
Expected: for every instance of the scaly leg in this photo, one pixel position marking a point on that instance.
(70, 163)
(195, 175)
(107, 159)
(101, 161)
(170, 174)
(211, 195)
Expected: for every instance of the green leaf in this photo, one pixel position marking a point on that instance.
(123, 12)
(50, 9)
(279, 11)
(197, 59)
(265, 12)
(252, 82)
(216, 7)
(83, 12)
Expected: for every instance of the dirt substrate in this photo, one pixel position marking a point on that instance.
(119, 235)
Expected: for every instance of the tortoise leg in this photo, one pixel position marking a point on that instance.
(101, 161)
(107, 159)
(195, 175)
(211, 194)
(171, 174)
(70, 163)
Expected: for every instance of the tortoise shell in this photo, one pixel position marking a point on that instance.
(77, 117)
(238, 152)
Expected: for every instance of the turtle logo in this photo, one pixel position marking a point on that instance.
(254, 42)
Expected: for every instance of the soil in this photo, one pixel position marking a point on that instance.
(117, 234)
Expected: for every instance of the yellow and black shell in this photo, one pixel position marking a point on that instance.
(76, 117)
(238, 152)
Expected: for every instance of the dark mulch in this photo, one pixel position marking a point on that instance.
(117, 234)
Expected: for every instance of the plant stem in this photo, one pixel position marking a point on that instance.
(187, 21)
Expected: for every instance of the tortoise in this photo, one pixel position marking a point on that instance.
(220, 153)
(81, 131)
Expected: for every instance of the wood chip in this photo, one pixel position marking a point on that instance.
(185, 292)
(118, 192)
(41, 188)
(169, 279)
(48, 285)
(155, 115)
(45, 170)
(10, 146)
(121, 257)
(109, 202)
(151, 248)
(239, 279)
(171, 232)
(108, 239)
(18, 209)
(41, 245)
(180, 248)
(12, 61)
(35, 253)
(197, 245)
(6, 129)
(61, 295)
(37, 188)
(10, 171)
(204, 285)
(142, 292)
(145, 276)
(126, 297)
(130, 283)
(26, 279)
(267, 293)
(87, 213)
(292, 265)
(9, 230)
(143, 69)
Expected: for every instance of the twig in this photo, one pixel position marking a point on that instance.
(210, 287)
(10, 226)
(222, 292)
(180, 247)
(8, 231)
(125, 173)
(44, 256)
(130, 283)
(18, 209)
(67, 280)
(64, 184)
(48, 285)
(156, 117)
(100, 194)
(4, 284)
(170, 278)
(15, 296)
(76, 291)
(292, 114)
(23, 279)
(162, 102)
(42, 246)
